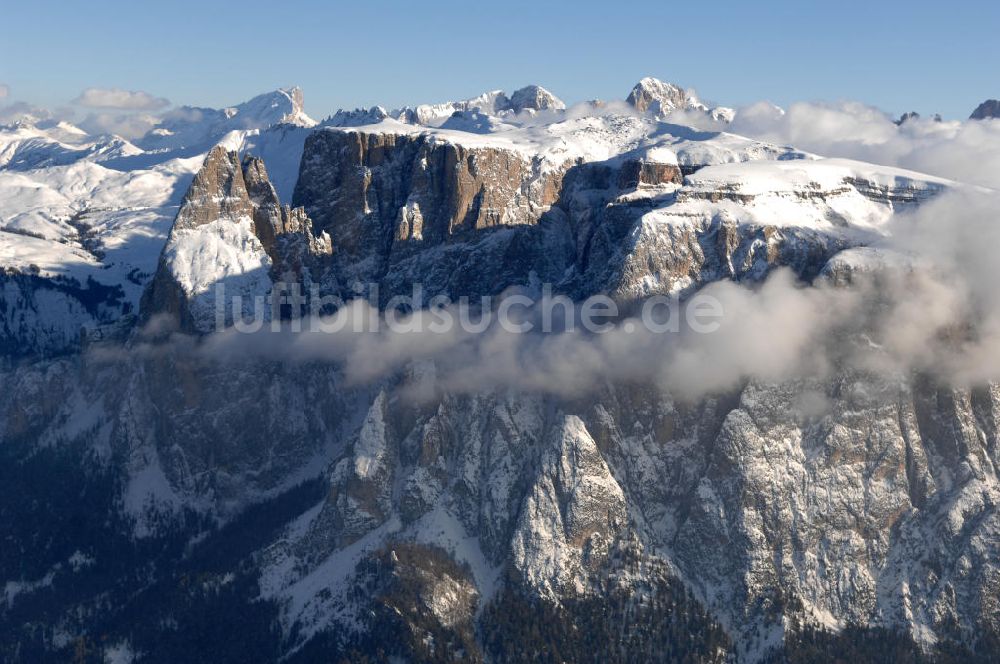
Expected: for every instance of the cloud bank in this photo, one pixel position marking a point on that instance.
(966, 151)
(120, 99)
(126, 125)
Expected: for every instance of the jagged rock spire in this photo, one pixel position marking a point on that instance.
(217, 191)
(231, 229)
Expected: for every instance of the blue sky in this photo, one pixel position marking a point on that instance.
(930, 57)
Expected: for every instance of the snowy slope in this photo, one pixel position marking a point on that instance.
(598, 136)
(833, 195)
(112, 220)
(25, 146)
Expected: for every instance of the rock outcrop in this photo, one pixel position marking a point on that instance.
(660, 99)
(637, 172)
(655, 96)
(231, 239)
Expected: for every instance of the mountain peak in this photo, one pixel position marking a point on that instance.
(653, 94)
(281, 106)
(536, 98)
(357, 117)
(492, 104)
(659, 97)
(988, 109)
(193, 128)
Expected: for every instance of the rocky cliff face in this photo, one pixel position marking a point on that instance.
(765, 508)
(476, 218)
(411, 209)
(374, 190)
(862, 500)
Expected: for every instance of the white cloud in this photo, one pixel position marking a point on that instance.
(19, 110)
(967, 151)
(126, 125)
(4, 91)
(134, 100)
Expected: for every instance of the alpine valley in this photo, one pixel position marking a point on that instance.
(166, 504)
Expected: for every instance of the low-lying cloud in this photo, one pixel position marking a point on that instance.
(20, 110)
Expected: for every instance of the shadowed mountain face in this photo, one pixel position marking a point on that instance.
(988, 109)
(178, 492)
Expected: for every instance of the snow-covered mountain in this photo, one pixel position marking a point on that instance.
(199, 129)
(83, 219)
(494, 104)
(167, 481)
(651, 95)
(30, 145)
